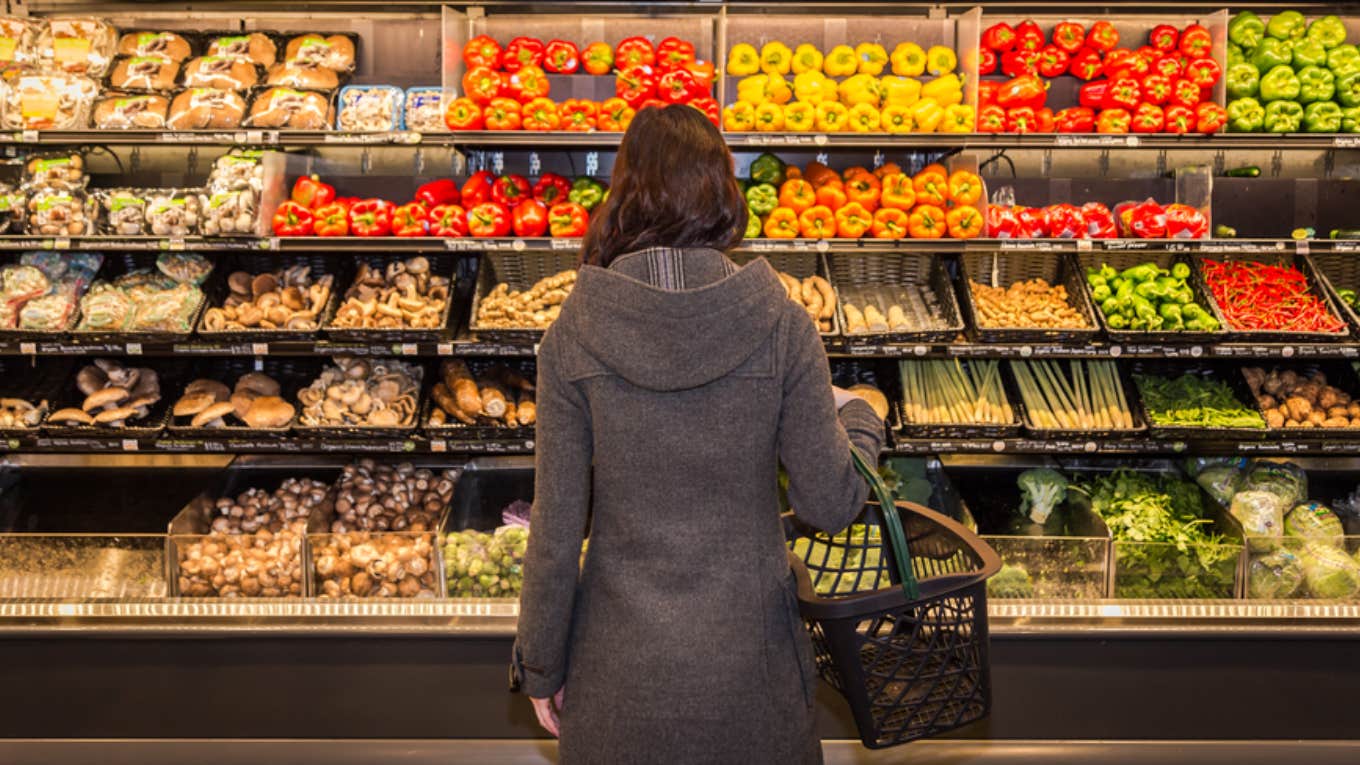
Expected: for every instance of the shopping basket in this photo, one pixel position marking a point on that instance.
(897, 607)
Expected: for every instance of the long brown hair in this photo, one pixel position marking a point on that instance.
(673, 186)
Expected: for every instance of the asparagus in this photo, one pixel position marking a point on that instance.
(950, 393)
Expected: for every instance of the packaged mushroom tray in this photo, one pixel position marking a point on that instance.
(77, 45)
(424, 110)
(520, 305)
(493, 401)
(361, 396)
(40, 294)
(370, 108)
(232, 196)
(396, 300)
(171, 213)
(110, 397)
(142, 303)
(47, 101)
(228, 397)
(292, 302)
(383, 539)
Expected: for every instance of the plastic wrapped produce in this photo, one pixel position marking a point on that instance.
(300, 74)
(167, 46)
(40, 292)
(1220, 476)
(230, 213)
(238, 169)
(290, 108)
(59, 172)
(1329, 572)
(424, 110)
(148, 73)
(123, 211)
(220, 72)
(185, 267)
(48, 102)
(147, 301)
(206, 109)
(255, 47)
(60, 213)
(1261, 514)
(1316, 523)
(131, 111)
(370, 108)
(77, 45)
(18, 39)
(1285, 480)
(174, 212)
(1277, 574)
(13, 205)
(335, 52)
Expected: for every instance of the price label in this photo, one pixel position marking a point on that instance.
(133, 349)
(1116, 351)
(823, 245)
(821, 140)
(592, 163)
(254, 136)
(439, 445)
(259, 364)
(1301, 246)
(1196, 351)
(534, 163)
(259, 349)
(61, 243)
(444, 349)
(1026, 351)
(565, 244)
(174, 243)
(272, 243)
(920, 350)
(518, 245)
(1084, 245)
(1287, 351)
(1347, 142)
(1089, 447)
(29, 136)
(998, 446)
(535, 349)
(129, 444)
(28, 349)
(529, 445)
(408, 349)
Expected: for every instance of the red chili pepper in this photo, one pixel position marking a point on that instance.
(510, 190)
(1086, 64)
(633, 51)
(568, 219)
(673, 53)
(311, 193)
(522, 52)
(409, 220)
(1164, 37)
(987, 61)
(488, 219)
(440, 192)
(371, 217)
(447, 221)
(1069, 36)
(529, 218)
(477, 188)
(1259, 296)
(293, 219)
(561, 57)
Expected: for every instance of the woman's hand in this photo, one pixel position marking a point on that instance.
(548, 711)
(842, 397)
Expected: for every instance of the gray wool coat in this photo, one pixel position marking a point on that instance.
(684, 382)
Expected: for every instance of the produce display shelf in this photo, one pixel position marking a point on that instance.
(1115, 446)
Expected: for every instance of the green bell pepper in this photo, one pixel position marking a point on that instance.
(1348, 90)
(1287, 25)
(1280, 84)
(1343, 60)
(1242, 80)
(1246, 30)
(762, 198)
(1350, 120)
(1101, 293)
(1328, 31)
(754, 228)
(1283, 117)
(767, 168)
(1316, 84)
(1322, 117)
(586, 192)
(1309, 53)
(1270, 54)
(1246, 115)
(1235, 55)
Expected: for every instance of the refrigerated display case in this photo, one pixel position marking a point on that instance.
(104, 529)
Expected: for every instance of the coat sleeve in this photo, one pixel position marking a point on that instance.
(815, 439)
(557, 526)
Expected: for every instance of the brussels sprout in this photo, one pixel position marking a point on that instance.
(482, 565)
(1010, 582)
(1330, 572)
(1278, 574)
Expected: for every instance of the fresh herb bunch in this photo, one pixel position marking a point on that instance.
(1192, 399)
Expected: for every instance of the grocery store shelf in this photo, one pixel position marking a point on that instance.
(168, 443)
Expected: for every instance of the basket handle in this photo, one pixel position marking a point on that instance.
(892, 523)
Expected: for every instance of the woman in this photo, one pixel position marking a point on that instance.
(685, 382)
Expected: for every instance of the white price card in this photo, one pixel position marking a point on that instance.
(1116, 351)
(259, 364)
(61, 243)
(28, 349)
(29, 136)
(439, 445)
(1287, 351)
(998, 446)
(174, 243)
(409, 349)
(129, 444)
(134, 349)
(259, 349)
(444, 349)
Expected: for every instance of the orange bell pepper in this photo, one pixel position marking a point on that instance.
(854, 170)
(890, 223)
(898, 192)
(817, 222)
(818, 173)
(965, 187)
(887, 168)
(932, 187)
(792, 173)
(782, 224)
(797, 195)
(853, 221)
(964, 222)
(927, 222)
(832, 196)
(864, 189)
(540, 114)
(935, 167)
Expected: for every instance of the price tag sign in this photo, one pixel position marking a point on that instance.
(444, 349)
(174, 244)
(1116, 351)
(409, 349)
(535, 349)
(61, 243)
(439, 445)
(129, 444)
(28, 349)
(565, 244)
(1026, 351)
(29, 136)
(259, 364)
(1196, 351)
(920, 350)
(133, 349)
(1301, 246)
(998, 446)
(1287, 351)
(259, 349)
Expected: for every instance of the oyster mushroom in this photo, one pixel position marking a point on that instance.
(212, 416)
(115, 417)
(90, 379)
(71, 415)
(100, 399)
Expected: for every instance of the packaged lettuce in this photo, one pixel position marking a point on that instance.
(1277, 574)
(1315, 522)
(1283, 479)
(1329, 572)
(1221, 478)
(1261, 514)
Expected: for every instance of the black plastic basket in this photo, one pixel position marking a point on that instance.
(1130, 397)
(321, 264)
(898, 615)
(1340, 271)
(362, 431)
(942, 430)
(32, 379)
(1225, 373)
(170, 374)
(291, 373)
(115, 265)
(519, 270)
(1122, 260)
(1316, 285)
(454, 429)
(441, 264)
(800, 265)
(1340, 374)
(1004, 269)
(862, 274)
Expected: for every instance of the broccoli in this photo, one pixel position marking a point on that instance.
(1041, 490)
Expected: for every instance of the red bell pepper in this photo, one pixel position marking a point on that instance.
(463, 114)
(561, 57)
(673, 53)
(371, 217)
(578, 115)
(597, 58)
(1130, 66)
(1113, 121)
(567, 219)
(1002, 222)
(987, 61)
(529, 218)
(1053, 61)
(346, 202)
(1069, 36)
(710, 107)
(1196, 42)
(677, 86)
(1086, 64)
(1185, 92)
(702, 72)
(1076, 119)
(1026, 90)
(551, 189)
(1103, 36)
(488, 219)
(311, 193)
(991, 119)
(634, 85)
(1123, 94)
(1092, 94)
(528, 83)
(439, 192)
(987, 92)
(409, 220)
(1028, 36)
(1179, 119)
(1164, 37)
(447, 221)
(1168, 67)
(1017, 63)
(1141, 220)
(658, 103)
(293, 219)
(477, 188)
(502, 114)
(482, 84)
(1031, 223)
(1022, 119)
(999, 37)
(510, 190)
(482, 51)
(1185, 222)
(1064, 221)
(1099, 221)
(540, 114)
(522, 52)
(1156, 89)
(1148, 118)
(331, 220)
(1204, 72)
(1044, 121)
(633, 51)
(1210, 117)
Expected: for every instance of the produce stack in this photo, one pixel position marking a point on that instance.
(1290, 75)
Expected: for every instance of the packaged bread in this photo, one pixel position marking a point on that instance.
(206, 109)
(290, 108)
(18, 38)
(167, 46)
(301, 74)
(222, 72)
(424, 110)
(48, 102)
(256, 48)
(130, 111)
(334, 52)
(144, 73)
(77, 45)
(370, 108)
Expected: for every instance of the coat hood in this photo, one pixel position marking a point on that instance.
(668, 340)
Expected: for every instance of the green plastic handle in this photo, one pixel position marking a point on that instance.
(892, 523)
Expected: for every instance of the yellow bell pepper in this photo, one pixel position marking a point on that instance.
(900, 91)
(941, 60)
(806, 58)
(752, 89)
(926, 116)
(958, 118)
(864, 118)
(769, 117)
(799, 116)
(860, 89)
(743, 59)
(840, 61)
(814, 87)
(896, 119)
(777, 90)
(872, 58)
(831, 117)
(739, 117)
(775, 58)
(946, 90)
(908, 60)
